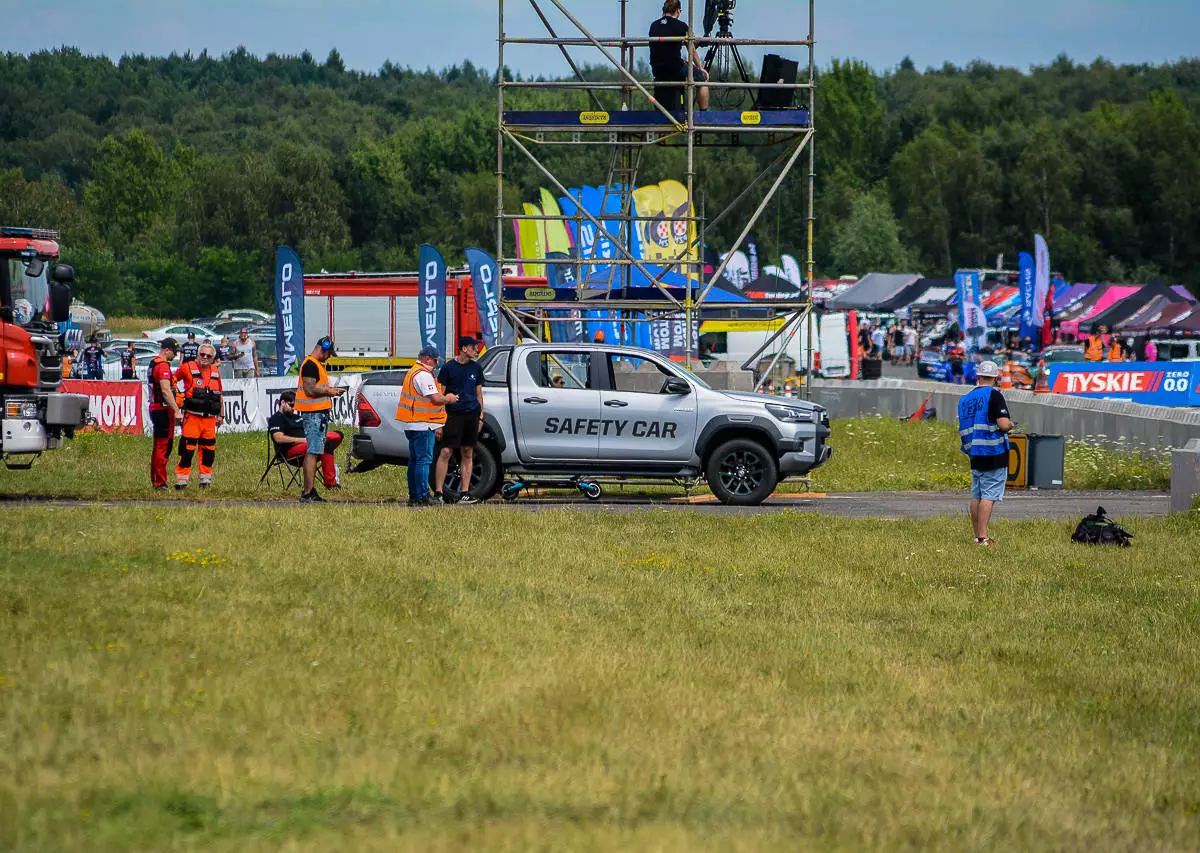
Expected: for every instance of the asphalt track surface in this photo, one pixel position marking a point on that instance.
(893, 505)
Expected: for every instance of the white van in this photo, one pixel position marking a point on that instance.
(1178, 349)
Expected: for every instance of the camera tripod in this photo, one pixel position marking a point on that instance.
(720, 60)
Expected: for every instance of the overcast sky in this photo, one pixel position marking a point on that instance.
(437, 33)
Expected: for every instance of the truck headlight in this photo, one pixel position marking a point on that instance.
(789, 415)
(23, 409)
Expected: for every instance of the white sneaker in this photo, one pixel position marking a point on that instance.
(467, 499)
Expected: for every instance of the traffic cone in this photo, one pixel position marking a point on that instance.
(1006, 376)
(1041, 385)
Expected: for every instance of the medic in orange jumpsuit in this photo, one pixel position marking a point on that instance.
(201, 383)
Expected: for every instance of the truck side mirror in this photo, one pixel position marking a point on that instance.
(63, 273)
(60, 301)
(34, 267)
(675, 385)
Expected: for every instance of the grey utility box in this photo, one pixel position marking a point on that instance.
(1047, 454)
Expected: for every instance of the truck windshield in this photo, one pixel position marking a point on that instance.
(30, 295)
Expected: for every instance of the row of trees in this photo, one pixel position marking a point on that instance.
(173, 179)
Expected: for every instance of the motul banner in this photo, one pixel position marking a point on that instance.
(112, 406)
(1150, 383)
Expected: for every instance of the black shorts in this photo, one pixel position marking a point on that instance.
(956, 368)
(461, 429)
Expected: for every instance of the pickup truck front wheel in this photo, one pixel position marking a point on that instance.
(741, 472)
(485, 479)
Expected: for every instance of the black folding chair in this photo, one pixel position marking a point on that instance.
(289, 470)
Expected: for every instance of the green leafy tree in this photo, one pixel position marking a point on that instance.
(869, 241)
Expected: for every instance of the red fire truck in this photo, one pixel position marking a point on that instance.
(372, 317)
(33, 300)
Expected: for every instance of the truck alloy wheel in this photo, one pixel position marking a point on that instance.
(741, 472)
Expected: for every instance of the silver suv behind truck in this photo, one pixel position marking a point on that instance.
(557, 411)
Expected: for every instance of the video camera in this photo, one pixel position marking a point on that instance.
(719, 11)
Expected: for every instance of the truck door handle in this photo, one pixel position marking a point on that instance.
(536, 400)
(616, 404)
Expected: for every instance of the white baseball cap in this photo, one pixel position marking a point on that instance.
(987, 369)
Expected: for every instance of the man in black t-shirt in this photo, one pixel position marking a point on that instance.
(983, 426)
(93, 360)
(462, 376)
(128, 358)
(667, 63)
(190, 349)
(286, 429)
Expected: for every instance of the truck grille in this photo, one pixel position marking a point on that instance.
(49, 362)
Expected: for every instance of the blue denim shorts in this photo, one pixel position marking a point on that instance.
(988, 485)
(315, 426)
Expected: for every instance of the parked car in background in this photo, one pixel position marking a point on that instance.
(209, 322)
(178, 331)
(229, 327)
(245, 315)
(141, 363)
(139, 344)
(1061, 353)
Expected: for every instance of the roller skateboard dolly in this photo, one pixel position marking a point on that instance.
(590, 489)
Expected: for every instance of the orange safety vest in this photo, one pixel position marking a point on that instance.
(417, 408)
(201, 390)
(1095, 349)
(1115, 353)
(304, 403)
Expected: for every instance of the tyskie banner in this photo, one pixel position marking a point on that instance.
(431, 299)
(289, 308)
(1152, 383)
(485, 281)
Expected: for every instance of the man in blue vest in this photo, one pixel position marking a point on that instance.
(983, 424)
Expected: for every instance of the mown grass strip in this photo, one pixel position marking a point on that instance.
(369, 678)
(870, 454)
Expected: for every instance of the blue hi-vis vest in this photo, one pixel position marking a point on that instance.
(980, 437)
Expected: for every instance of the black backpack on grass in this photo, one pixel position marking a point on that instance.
(1098, 529)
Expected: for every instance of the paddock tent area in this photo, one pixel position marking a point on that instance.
(880, 293)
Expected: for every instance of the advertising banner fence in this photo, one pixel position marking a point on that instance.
(248, 403)
(113, 406)
(1153, 383)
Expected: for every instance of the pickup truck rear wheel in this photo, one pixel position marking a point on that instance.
(485, 479)
(741, 472)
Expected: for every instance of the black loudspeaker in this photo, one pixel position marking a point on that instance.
(776, 69)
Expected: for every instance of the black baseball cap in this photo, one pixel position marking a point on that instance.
(169, 343)
(467, 341)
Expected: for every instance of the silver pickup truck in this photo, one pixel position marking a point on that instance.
(594, 413)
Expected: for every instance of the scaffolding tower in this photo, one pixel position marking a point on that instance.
(628, 116)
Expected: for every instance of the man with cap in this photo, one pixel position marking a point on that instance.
(462, 377)
(189, 352)
(164, 410)
(314, 401)
(983, 424)
(423, 413)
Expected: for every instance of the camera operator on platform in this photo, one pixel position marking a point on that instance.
(667, 63)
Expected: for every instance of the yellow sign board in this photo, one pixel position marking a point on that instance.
(539, 294)
(1018, 461)
(751, 118)
(593, 117)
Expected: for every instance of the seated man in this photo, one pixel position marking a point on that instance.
(286, 429)
(666, 60)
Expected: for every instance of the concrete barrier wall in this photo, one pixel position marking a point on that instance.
(1128, 426)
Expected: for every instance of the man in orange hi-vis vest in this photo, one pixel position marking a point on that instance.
(314, 400)
(422, 410)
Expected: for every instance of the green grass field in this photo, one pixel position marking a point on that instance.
(870, 454)
(370, 678)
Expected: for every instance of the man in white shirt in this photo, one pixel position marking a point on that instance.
(910, 344)
(877, 341)
(245, 356)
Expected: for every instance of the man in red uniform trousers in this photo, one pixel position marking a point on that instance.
(164, 411)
